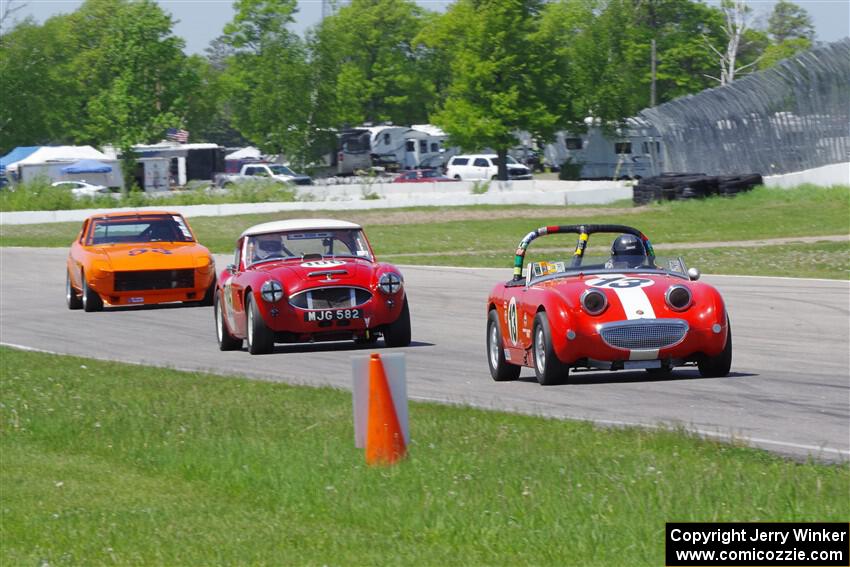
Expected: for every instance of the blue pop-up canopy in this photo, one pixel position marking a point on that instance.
(87, 166)
(16, 155)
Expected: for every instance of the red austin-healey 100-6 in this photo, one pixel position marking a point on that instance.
(308, 280)
(628, 310)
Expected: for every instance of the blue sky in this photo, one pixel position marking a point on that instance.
(200, 21)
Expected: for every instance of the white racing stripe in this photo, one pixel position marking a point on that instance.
(635, 302)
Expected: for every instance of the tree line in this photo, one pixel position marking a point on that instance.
(113, 72)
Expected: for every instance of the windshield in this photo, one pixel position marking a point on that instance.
(593, 264)
(509, 160)
(281, 170)
(315, 244)
(149, 228)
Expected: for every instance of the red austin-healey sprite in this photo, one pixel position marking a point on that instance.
(308, 280)
(625, 311)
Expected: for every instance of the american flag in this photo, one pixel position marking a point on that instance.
(177, 135)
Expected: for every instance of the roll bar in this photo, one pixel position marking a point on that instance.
(583, 231)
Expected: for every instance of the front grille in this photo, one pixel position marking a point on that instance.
(644, 333)
(330, 298)
(154, 279)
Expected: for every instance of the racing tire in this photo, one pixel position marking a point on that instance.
(260, 337)
(91, 300)
(397, 333)
(718, 366)
(500, 369)
(226, 341)
(71, 298)
(548, 368)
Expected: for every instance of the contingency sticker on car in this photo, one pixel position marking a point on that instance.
(322, 264)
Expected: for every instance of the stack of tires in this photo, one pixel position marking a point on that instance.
(681, 186)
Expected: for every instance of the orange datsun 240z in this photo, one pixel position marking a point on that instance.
(137, 258)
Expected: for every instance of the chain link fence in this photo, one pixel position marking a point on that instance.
(792, 117)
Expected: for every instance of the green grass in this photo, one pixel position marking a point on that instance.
(40, 196)
(761, 213)
(106, 463)
(830, 260)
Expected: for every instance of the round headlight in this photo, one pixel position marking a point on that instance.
(390, 283)
(272, 291)
(594, 301)
(678, 297)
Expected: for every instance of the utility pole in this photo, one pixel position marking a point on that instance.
(652, 74)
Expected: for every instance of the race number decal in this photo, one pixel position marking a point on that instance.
(617, 281)
(322, 264)
(512, 321)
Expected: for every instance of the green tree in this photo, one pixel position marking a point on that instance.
(789, 21)
(132, 73)
(268, 79)
(502, 75)
(369, 66)
(790, 30)
(35, 93)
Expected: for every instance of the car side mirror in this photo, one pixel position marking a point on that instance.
(693, 274)
(231, 268)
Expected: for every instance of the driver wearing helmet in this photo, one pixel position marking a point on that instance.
(627, 251)
(267, 246)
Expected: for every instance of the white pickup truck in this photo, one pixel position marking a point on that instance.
(255, 171)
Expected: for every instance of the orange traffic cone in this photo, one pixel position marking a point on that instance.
(384, 438)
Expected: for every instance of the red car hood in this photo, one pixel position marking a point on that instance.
(296, 275)
(630, 296)
(151, 255)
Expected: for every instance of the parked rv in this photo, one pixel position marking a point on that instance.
(632, 151)
(387, 147)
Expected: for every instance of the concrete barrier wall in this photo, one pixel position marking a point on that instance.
(833, 174)
(356, 197)
(380, 196)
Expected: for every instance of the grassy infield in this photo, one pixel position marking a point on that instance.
(107, 463)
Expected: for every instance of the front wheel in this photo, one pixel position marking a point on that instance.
(397, 333)
(717, 366)
(71, 297)
(260, 337)
(549, 369)
(91, 300)
(226, 341)
(500, 369)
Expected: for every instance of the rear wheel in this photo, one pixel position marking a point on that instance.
(91, 300)
(71, 298)
(260, 337)
(549, 369)
(717, 366)
(500, 369)
(397, 333)
(226, 341)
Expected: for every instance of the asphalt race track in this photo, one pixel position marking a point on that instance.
(789, 390)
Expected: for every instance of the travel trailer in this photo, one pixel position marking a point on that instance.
(386, 146)
(631, 151)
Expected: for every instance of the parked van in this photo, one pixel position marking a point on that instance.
(483, 166)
